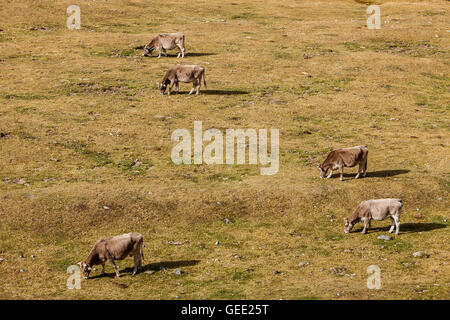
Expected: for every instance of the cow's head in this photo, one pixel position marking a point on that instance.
(323, 171)
(348, 226)
(162, 86)
(85, 269)
(147, 50)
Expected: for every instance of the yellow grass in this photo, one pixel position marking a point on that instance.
(77, 107)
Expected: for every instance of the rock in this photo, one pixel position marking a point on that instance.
(303, 264)
(106, 207)
(419, 254)
(21, 270)
(178, 271)
(149, 271)
(1, 259)
(384, 237)
(217, 243)
(32, 256)
(227, 221)
(276, 272)
(236, 256)
(382, 247)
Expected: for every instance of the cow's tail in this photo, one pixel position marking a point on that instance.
(204, 78)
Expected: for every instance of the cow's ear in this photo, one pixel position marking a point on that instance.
(79, 263)
(159, 85)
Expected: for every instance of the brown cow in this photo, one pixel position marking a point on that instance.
(182, 73)
(115, 248)
(347, 157)
(166, 41)
(378, 209)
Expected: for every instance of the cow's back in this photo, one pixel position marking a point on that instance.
(351, 156)
(121, 246)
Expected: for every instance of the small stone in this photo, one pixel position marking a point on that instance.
(21, 270)
(217, 243)
(32, 256)
(106, 207)
(384, 237)
(1, 259)
(178, 271)
(276, 272)
(382, 247)
(303, 264)
(227, 221)
(419, 254)
(149, 271)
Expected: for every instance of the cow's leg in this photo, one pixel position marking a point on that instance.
(116, 269)
(103, 269)
(365, 167)
(178, 86)
(392, 226)
(194, 84)
(359, 170)
(170, 86)
(366, 221)
(397, 224)
(159, 56)
(341, 173)
(136, 263)
(182, 52)
(198, 87)
(331, 173)
(165, 52)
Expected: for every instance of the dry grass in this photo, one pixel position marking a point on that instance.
(79, 106)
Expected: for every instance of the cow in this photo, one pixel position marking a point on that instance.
(379, 209)
(346, 157)
(165, 41)
(183, 73)
(115, 248)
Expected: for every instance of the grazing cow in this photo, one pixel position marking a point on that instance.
(165, 41)
(378, 210)
(181, 73)
(347, 157)
(115, 248)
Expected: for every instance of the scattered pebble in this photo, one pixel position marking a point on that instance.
(106, 207)
(227, 221)
(276, 272)
(419, 254)
(149, 271)
(303, 264)
(384, 237)
(217, 243)
(178, 271)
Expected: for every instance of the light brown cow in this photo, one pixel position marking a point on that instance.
(165, 41)
(379, 209)
(115, 248)
(346, 157)
(181, 73)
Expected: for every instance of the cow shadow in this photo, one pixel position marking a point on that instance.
(156, 266)
(409, 227)
(175, 55)
(213, 92)
(374, 174)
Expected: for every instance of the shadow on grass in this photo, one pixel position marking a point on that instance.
(213, 92)
(409, 227)
(175, 55)
(156, 266)
(374, 174)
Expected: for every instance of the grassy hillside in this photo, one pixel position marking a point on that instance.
(85, 148)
